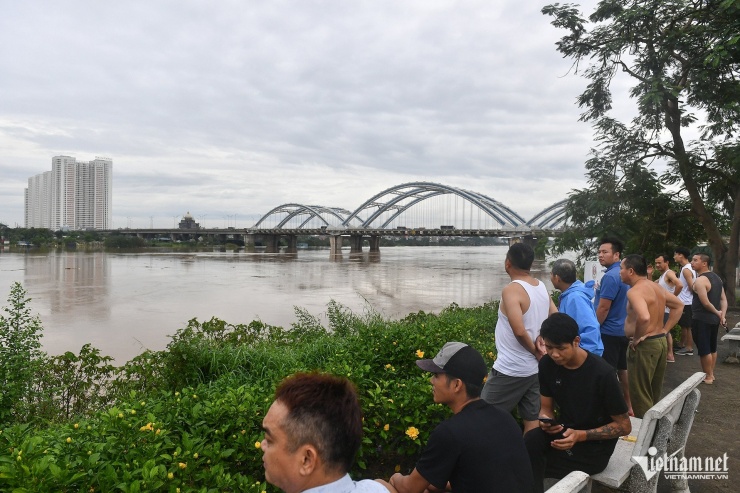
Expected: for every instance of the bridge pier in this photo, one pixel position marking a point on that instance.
(335, 245)
(272, 243)
(292, 244)
(527, 239)
(375, 244)
(355, 244)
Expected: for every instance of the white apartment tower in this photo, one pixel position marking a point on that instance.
(73, 195)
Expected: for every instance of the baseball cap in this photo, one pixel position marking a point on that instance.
(459, 360)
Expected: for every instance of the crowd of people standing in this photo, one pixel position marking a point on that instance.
(574, 373)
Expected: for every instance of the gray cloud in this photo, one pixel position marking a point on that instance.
(226, 107)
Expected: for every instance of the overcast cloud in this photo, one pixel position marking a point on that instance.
(234, 107)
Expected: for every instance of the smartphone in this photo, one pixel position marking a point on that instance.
(549, 421)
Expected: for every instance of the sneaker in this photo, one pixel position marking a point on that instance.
(685, 352)
(677, 346)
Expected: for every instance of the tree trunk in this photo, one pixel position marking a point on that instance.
(725, 259)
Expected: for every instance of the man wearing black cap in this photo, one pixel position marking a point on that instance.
(478, 449)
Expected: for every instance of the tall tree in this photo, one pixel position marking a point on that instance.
(683, 58)
(626, 200)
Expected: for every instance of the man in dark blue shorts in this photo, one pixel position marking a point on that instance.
(708, 309)
(611, 311)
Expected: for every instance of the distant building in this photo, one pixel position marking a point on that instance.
(188, 222)
(73, 195)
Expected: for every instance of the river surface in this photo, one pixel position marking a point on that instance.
(123, 303)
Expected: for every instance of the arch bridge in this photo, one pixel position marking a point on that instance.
(408, 209)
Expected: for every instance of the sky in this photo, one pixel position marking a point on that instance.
(227, 109)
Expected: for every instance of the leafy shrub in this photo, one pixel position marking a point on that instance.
(20, 356)
(189, 417)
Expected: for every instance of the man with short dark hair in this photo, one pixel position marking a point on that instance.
(525, 303)
(646, 328)
(673, 285)
(313, 431)
(682, 256)
(708, 309)
(593, 413)
(575, 300)
(611, 311)
(480, 448)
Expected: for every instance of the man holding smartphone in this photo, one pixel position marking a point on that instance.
(592, 413)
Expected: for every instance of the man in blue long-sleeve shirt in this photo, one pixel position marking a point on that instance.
(575, 300)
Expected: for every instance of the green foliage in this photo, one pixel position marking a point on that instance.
(124, 241)
(40, 237)
(627, 201)
(160, 435)
(71, 385)
(681, 58)
(20, 356)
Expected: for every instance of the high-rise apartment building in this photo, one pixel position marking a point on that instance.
(73, 195)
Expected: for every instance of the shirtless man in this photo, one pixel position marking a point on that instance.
(670, 282)
(646, 357)
(525, 304)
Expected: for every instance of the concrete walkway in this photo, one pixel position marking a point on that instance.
(716, 427)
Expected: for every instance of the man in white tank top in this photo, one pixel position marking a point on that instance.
(525, 304)
(673, 285)
(682, 256)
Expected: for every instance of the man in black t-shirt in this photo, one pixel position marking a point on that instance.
(479, 449)
(592, 411)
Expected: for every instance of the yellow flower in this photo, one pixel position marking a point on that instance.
(398, 468)
(257, 444)
(142, 403)
(412, 433)
(120, 415)
(77, 425)
(387, 427)
(244, 431)
(419, 353)
(170, 475)
(158, 431)
(388, 366)
(147, 427)
(69, 440)
(490, 354)
(195, 455)
(182, 465)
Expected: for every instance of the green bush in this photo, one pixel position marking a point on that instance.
(189, 418)
(20, 356)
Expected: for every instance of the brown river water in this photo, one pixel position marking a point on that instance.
(123, 303)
